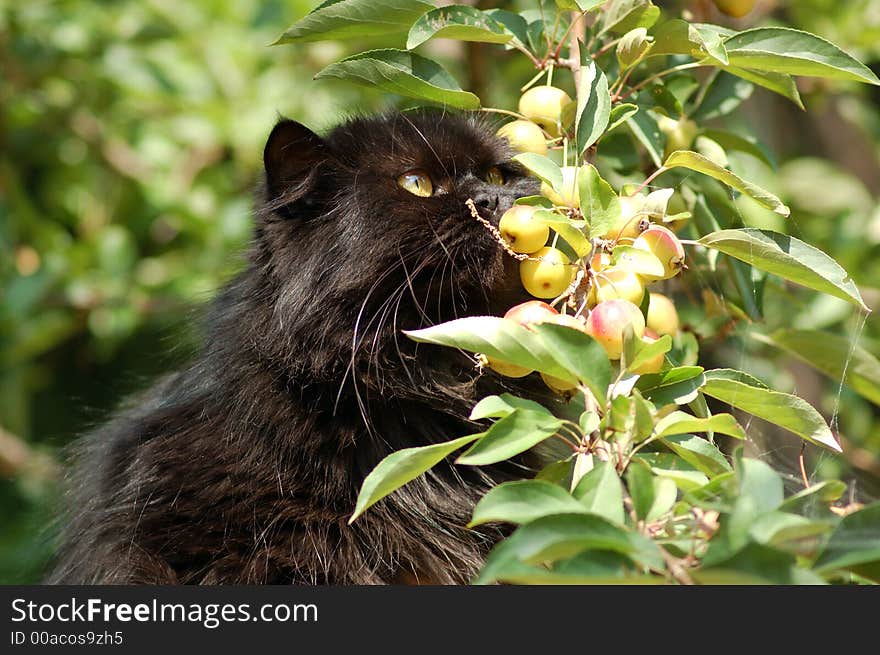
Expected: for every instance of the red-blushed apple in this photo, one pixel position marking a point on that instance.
(521, 231)
(545, 106)
(608, 320)
(524, 136)
(662, 315)
(531, 312)
(548, 275)
(663, 244)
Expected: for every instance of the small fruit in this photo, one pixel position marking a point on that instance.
(569, 196)
(631, 221)
(655, 364)
(558, 385)
(662, 316)
(665, 246)
(547, 277)
(616, 282)
(545, 106)
(521, 231)
(531, 312)
(607, 322)
(600, 260)
(680, 133)
(524, 136)
(506, 368)
(735, 8)
(568, 321)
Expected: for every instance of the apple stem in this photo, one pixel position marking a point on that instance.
(648, 180)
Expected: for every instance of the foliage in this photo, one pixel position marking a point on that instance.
(130, 135)
(639, 496)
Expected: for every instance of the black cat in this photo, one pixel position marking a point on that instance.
(245, 467)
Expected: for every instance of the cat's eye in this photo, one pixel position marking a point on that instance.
(417, 183)
(495, 176)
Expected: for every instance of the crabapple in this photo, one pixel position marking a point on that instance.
(524, 136)
(531, 312)
(523, 233)
(608, 320)
(680, 133)
(545, 106)
(614, 282)
(662, 316)
(735, 8)
(630, 221)
(548, 274)
(557, 384)
(665, 246)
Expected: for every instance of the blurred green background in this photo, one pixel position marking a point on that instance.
(131, 135)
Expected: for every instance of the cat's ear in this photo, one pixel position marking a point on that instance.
(293, 153)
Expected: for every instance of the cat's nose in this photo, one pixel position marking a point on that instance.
(487, 199)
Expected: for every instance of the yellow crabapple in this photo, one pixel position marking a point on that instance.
(614, 282)
(662, 315)
(545, 106)
(665, 246)
(608, 320)
(506, 368)
(630, 221)
(524, 136)
(680, 133)
(735, 8)
(557, 384)
(520, 229)
(548, 274)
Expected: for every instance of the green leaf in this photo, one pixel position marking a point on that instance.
(677, 385)
(556, 350)
(677, 37)
(404, 73)
(619, 114)
(559, 536)
(854, 545)
(741, 143)
(839, 357)
(523, 501)
(640, 484)
(621, 16)
(736, 376)
(637, 260)
(824, 492)
(752, 565)
(697, 162)
(600, 492)
(513, 23)
(593, 107)
(458, 22)
(725, 93)
(646, 131)
(782, 409)
(790, 51)
(779, 83)
(781, 528)
(680, 423)
(596, 567)
(645, 352)
(545, 169)
(700, 453)
(400, 467)
(579, 5)
(509, 436)
(347, 19)
(788, 258)
(599, 203)
(504, 405)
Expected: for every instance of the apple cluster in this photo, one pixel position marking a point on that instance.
(605, 291)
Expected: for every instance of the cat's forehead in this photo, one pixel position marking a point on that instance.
(428, 139)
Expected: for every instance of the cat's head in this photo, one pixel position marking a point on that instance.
(370, 226)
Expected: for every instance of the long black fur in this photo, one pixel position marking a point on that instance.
(245, 466)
